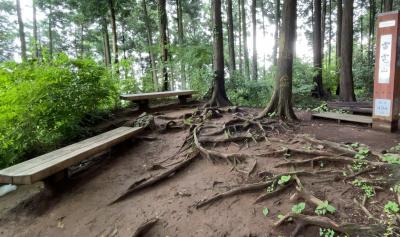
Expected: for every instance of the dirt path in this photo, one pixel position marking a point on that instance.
(83, 209)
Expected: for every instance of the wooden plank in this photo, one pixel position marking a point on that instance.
(34, 170)
(350, 104)
(344, 117)
(61, 152)
(154, 95)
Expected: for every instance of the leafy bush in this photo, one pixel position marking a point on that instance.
(43, 105)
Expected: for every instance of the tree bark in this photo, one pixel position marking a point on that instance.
(388, 5)
(219, 97)
(346, 75)
(318, 91)
(150, 45)
(114, 30)
(330, 41)
(35, 31)
(231, 38)
(163, 21)
(276, 34)
(106, 43)
(21, 31)
(181, 38)
(240, 37)
(254, 21)
(339, 43)
(281, 101)
(245, 49)
(371, 32)
(50, 25)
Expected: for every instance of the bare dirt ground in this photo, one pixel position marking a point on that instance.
(83, 207)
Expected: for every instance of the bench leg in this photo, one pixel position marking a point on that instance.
(183, 98)
(143, 104)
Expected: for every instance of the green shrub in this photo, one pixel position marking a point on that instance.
(43, 105)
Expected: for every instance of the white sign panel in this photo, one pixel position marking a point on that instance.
(385, 59)
(382, 107)
(385, 24)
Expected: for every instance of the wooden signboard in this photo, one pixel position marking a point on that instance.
(387, 73)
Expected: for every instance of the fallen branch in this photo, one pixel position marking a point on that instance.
(145, 227)
(155, 179)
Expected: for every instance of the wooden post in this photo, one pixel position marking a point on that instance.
(387, 73)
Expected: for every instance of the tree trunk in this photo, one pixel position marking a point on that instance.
(346, 75)
(21, 32)
(371, 32)
(219, 97)
(317, 46)
(245, 49)
(264, 35)
(388, 6)
(163, 21)
(254, 70)
(150, 45)
(339, 43)
(181, 38)
(106, 42)
(281, 101)
(240, 37)
(330, 41)
(82, 40)
(35, 31)
(114, 30)
(276, 34)
(231, 38)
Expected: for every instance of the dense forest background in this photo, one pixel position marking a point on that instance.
(65, 67)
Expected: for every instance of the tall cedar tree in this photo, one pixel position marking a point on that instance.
(281, 101)
(317, 48)
(254, 70)
(244, 34)
(219, 97)
(276, 33)
(114, 30)
(21, 31)
(163, 21)
(106, 42)
(149, 35)
(35, 31)
(339, 42)
(388, 5)
(231, 38)
(181, 38)
(346, 75)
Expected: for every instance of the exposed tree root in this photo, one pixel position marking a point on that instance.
(210, 154)
(330, 159)
(274, 193)
(365, 210)
(209, 139)
(332, 145)
(308, 197)
(145, 227)
(303, 221)
(242, 189)
(155, 179)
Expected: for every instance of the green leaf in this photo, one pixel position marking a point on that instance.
(266, 211)
(299, 208)
(284, 179)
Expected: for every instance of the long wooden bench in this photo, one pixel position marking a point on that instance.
(44, 166)
(143, 99)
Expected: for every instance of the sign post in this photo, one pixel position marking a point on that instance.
(387, 73)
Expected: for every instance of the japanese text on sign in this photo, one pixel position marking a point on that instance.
(385, 59)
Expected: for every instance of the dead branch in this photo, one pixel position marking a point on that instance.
(145, 227)
(239, 190)
(155, 179)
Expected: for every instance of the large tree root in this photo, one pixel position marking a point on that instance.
(155, 179)
(242, 189)
(303, 221)
(145, 227)
(280, 189)
(332, 145)
(330, 159)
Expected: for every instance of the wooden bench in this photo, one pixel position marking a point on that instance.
(143, 99)
(56, 162)
(344, 117)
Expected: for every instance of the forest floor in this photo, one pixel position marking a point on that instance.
(90, 204)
